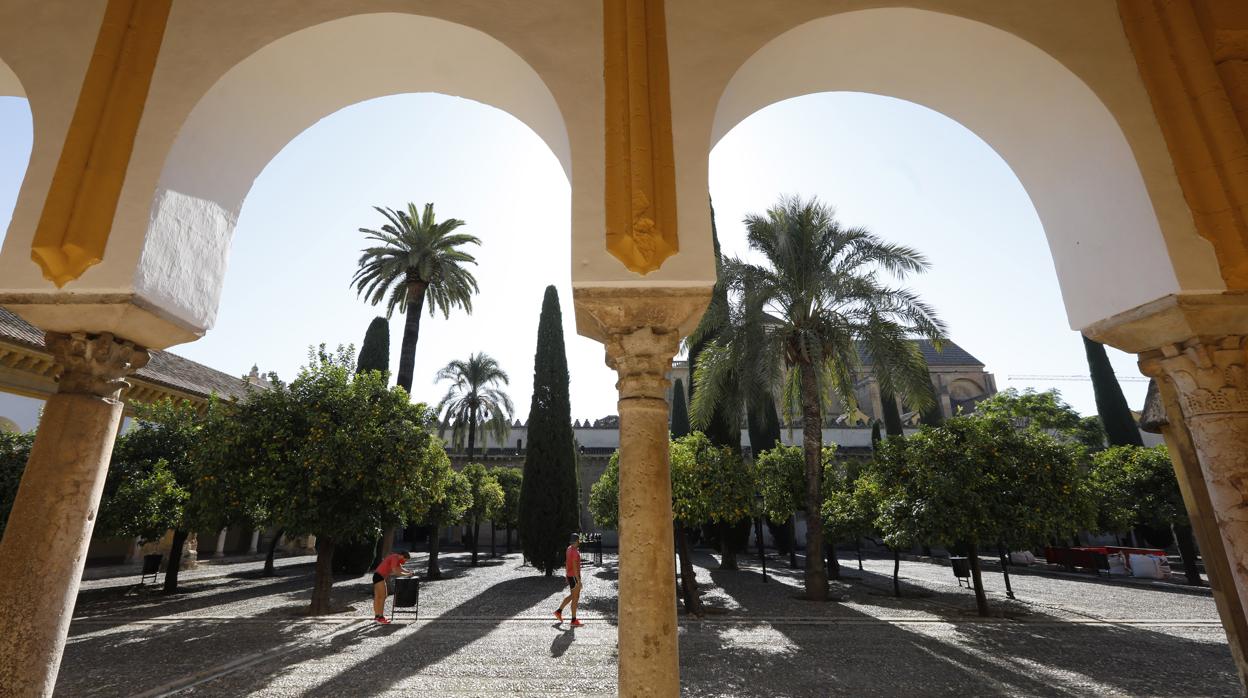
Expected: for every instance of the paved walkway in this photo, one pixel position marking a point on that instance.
(488, 630)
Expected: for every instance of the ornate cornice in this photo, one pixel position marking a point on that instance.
(94, 364)
(1210, 374)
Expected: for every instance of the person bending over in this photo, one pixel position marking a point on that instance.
(391, 566)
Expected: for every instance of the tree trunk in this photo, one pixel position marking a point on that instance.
(896, 573)
(493, 552)
(812, 442)
(387, 542)
(175, 560)
(434, 571)
(324, 576)
(977, 579)
(1187, 549)
(834, 565)
(411, 333)
(793, 542)
(472, 433)
(269, 569)
(476, 531)
(688, 578)
(508, 539)
(727, 551)
(858, 549)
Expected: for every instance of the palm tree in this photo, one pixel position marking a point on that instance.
(818, 297)
(473, 400)
(416, 259)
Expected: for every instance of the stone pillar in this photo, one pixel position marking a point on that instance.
(1208, 378)
(49, 529)
(1163, 414)
(220, 552)
(254, 547)
(642, 329)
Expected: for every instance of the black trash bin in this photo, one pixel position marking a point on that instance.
(407, 595)
(151, 567)
(961, 569)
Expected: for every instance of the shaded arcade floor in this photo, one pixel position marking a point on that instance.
(489, 630)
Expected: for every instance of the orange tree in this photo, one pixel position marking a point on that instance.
(14, 452)
(709, 485)
(975, 482)
(333, 453)
(151, 487)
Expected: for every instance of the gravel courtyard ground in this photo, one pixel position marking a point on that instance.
(489, 631)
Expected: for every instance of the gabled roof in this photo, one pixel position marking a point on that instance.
(950, 355)
(164, 368)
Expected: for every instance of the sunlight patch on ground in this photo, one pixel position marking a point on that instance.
(762, 639)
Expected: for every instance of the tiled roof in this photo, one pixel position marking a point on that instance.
(164, 368)
(950, 354)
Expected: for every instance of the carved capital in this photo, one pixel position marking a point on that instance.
(1210, 374)
(94, 364)
(641, 329)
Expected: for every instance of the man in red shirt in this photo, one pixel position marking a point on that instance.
(392, 565)
(572, 568)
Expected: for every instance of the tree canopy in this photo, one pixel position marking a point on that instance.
(415, 258)
(336, 454)
(822, 293)
(475, 400)
(549, 500)
(979, 481)
(14, 452)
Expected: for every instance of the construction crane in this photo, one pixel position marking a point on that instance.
(1038, 377)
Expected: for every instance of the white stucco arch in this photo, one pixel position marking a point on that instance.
(1061, 141)
(270, 97)
(11, 86)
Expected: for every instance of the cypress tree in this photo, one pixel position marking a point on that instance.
(764, 427)
(724, 428)
(1120, 427)
(680, 413)
(892, 418)
(549, 510)
(356, 557)
(375, 351)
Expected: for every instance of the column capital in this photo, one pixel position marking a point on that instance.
(1210, 373)
(641, 329)
(94, 364)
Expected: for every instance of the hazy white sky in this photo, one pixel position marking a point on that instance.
(909, 174)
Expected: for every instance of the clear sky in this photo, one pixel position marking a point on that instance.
(909, 174)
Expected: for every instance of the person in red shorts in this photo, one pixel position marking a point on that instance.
(391, 566)
(572, 568)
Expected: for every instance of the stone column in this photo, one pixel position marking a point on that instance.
(220, 551)
(642, 329)
(254, 547)
(49, 529)
(1209, 380)
(1163, 414)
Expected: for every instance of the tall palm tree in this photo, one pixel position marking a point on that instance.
(473, 400)
(820, 294)
(416, 259)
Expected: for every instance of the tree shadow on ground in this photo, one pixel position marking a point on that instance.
(100, 660)
(415, 648)
(837, 650)
(102, 605)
